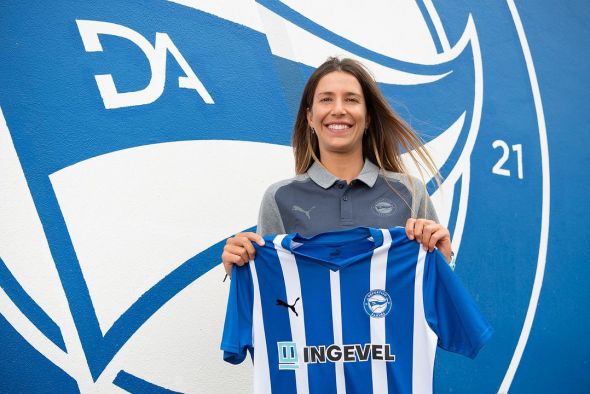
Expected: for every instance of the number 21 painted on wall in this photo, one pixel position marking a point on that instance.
(497, 169)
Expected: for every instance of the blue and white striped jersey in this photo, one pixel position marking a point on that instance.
(354, 311)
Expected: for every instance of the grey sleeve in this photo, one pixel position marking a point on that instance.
(422, 207)
(269, 218)
(425, 207)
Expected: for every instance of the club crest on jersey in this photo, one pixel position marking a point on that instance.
(377, 303)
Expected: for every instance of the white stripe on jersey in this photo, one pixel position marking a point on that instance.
(378, 277)
(293, 289)
(424, 338)
(261, 372)
(337, 327)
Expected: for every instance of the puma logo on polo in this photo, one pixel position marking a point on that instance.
(297, 208)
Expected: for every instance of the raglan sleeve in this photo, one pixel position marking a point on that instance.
(425, 206)
(269, 217)
(450, 310)
(237, 330)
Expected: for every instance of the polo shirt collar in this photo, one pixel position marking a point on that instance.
(325, 179)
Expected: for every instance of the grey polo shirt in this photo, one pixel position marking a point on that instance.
(317, 201)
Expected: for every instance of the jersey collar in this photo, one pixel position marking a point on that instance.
(291, 242)
(325, 179)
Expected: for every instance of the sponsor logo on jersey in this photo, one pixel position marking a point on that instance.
(289, 357)
(377, 303)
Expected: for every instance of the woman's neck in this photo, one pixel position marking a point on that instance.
(346, 167)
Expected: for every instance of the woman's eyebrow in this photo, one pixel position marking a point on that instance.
(346, 93)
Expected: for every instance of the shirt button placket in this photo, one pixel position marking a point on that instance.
(345, 205)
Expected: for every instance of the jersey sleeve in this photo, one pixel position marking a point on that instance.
(450, 310)
(237, 331)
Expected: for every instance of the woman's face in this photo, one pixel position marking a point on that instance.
(339, 114)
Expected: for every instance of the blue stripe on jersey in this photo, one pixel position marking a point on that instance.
(401, 269)
(315, 288)
(356, 328)
(275, 317)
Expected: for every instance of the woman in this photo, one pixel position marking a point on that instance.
(346, 142)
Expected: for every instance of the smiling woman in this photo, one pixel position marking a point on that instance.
(338, 117)
(347, 142)
(384, 132)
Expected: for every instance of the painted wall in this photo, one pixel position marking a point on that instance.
(136, 136)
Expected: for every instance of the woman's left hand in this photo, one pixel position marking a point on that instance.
(430, 234)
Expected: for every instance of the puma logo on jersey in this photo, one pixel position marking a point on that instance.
(292, 307)
(297, 208)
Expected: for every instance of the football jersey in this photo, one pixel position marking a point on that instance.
(353, 311)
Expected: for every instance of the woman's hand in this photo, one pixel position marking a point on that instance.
(239, 250)
(430, 234)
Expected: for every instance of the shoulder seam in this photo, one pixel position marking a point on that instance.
(273, 188)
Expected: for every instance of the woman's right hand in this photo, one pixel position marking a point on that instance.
(239, 250)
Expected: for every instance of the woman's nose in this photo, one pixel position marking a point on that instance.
(338, 108)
